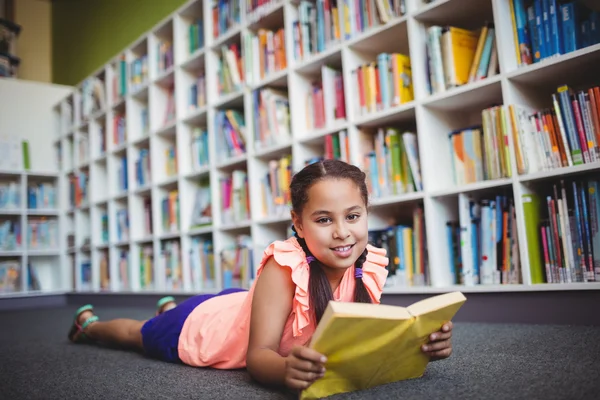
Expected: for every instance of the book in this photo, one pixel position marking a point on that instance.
(367, 345)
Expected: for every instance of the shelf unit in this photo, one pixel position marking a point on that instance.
(431, 117)
(39, 236)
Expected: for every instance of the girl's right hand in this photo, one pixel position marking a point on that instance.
(303, 366)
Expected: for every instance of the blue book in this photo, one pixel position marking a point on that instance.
(539, 24)
(556, 40)
(570, 33)
(533, 34)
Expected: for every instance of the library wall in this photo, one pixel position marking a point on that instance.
(27, 99)
(34, 45)
(103, 28)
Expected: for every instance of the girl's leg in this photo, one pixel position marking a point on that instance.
(121, 332)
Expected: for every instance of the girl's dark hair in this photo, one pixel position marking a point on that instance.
(319, 288)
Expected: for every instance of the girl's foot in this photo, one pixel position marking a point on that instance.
(165, 304)
(82, 322)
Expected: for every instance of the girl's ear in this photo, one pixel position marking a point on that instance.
(297, 224)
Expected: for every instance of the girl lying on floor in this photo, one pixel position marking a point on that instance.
(267, 328)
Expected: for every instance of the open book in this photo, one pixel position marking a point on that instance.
(371, 344)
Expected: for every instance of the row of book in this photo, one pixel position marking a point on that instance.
(325, 101)
(563, 232)
(10, 195)
(457, 56)
(93, 97)
(104, 227)
(336, 146)
(202, 264)
(169, 206)
(122, 176)
(138, 72)
(42, 234)
(272, 123)
(170, 261)
(202, 211)
(119, 84)
(226, 15)
(171, 160)
(391, 162)
(481, 152)
(122, 225)
(119, 129)
(275, 187)
(78, 188)
(11, 280)
(235, 199)
(164, 54)
(230, 129)
(197, 93)
(142, 168)
(564, 134)
(83, 148)
(230, 70)
(10, 235)
(482, 243)
(264, 54)
(237, 263)
(382, 84)
(196, 35)
(200, 149)
(323, 24)
(406, 248)
(39, 196)
(544, 29)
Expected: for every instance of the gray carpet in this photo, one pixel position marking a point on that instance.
(489, 361)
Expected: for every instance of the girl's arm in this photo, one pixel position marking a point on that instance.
(271, 308)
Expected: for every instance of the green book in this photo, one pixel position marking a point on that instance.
(531, 216)
(25, 148)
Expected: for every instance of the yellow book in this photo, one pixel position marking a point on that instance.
(367, 345)
(478, 51)
(404, 78)
(459, 46)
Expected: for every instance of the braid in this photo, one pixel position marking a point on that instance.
(360, 291)
(319, 289)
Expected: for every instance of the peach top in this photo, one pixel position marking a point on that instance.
(216, 333)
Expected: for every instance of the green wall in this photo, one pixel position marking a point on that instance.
(86, 34)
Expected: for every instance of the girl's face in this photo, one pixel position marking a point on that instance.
(334, 223)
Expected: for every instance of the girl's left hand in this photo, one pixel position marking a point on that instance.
(440, 343)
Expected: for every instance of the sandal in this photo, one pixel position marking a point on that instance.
(76, 328)
(162, 302)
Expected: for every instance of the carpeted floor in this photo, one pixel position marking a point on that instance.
(489, 361)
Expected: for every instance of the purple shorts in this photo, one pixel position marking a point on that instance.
(160, 335)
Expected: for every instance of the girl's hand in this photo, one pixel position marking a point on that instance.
(440, 343)
(302, 367)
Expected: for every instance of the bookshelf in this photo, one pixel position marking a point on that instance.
(191, 105)
(31, 207)
(30, 244)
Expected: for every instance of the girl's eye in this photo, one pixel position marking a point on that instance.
(353, 217)
(323, 220)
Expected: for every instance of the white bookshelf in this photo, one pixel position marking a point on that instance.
(36, 215)
(432, 117)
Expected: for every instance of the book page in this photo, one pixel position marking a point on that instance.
(453, 300)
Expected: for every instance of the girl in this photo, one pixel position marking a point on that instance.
(267, 329)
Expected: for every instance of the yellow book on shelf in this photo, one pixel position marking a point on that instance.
(459, 46)
(367, 345)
